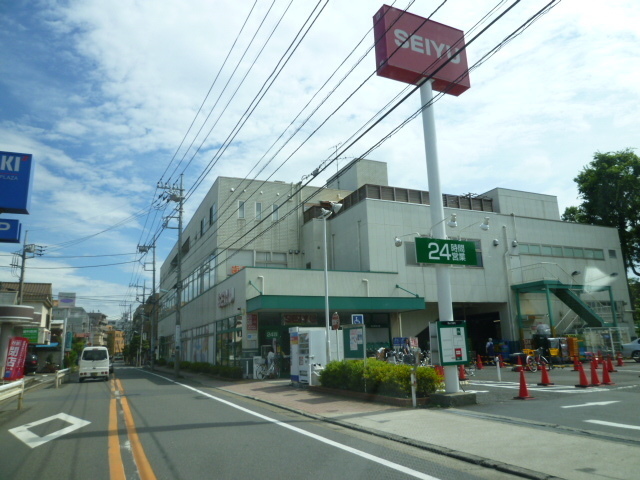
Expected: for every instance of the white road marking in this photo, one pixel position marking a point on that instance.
(32, 440)
(372, 458)
(591, 404)
(611, 424)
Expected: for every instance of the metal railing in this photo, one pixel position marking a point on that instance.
(61, 375)
(12, 390)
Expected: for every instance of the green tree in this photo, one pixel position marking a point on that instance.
(609, 187)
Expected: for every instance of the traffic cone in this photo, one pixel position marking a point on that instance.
(620, 360)
(462, 375)
(610, 366)
(584, 383)
(576, 364)
(501, 362)
(606, 378)
(519, 367)
(595, 381)
(524, 393)
(479, 365)
(545, 381)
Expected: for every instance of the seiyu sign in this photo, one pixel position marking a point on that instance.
(410, 48)
(16, 177)
(10, 231)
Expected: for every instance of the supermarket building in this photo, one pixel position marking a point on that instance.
(253, 266)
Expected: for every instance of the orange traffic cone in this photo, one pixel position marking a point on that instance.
(545, 381)
(576, 364)
(610, 365)
(595, 381)
(462, 375)
(519, 367)
(584, 383)
(524, 393)
(479, 365)
(606, 378)
(620, 360)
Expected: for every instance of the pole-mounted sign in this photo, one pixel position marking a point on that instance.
(10, 231)
(449, 252)
(16, 177)
(410, 48)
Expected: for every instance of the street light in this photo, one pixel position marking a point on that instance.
(453, 223)
(335, 208)
(484, 226)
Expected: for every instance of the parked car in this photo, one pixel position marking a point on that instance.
(30, 363)
(632, 349)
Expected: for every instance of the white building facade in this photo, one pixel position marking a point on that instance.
(253, 266)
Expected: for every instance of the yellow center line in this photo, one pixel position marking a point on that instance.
(142, 462)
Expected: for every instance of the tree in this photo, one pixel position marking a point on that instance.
(610, 191)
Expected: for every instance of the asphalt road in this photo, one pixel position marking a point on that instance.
(608, 410)
(143, 425)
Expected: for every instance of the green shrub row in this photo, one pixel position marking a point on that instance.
(380, 378)
(207, 368)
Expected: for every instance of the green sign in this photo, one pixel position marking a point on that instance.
(31, 334)
(450, 252)
(272, 334)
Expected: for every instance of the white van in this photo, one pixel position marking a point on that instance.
(94, 363)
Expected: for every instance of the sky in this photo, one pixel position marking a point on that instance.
(112, 98)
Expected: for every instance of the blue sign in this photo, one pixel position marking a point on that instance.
(10, 231)
(16, 177)
(357, 319)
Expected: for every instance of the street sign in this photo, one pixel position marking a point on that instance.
(450, 252)
(16, 178)
(335, 321)
(10, 231)
(357, 319)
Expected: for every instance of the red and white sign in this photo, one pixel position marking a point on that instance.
(14, 367)
(335, 321)
(410, 48)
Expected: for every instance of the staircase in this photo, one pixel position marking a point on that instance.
(573, 301)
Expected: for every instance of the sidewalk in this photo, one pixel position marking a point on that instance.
(527, 451)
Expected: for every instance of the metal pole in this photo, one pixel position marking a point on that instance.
(154, 313)
(180, 200)
(326, 286)
(22, 266)
(443, 273)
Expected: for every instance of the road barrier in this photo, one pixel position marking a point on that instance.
(11, 390)
(60, 375)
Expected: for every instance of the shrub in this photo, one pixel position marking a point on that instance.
(161, 362)
(379, 377)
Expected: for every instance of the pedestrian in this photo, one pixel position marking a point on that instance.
(491, 353)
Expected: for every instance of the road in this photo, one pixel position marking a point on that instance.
(606, 410)
(145, 425)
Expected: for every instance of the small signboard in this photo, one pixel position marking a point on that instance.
(10, 231)
(354, 341)
(450, 252)
(335, 321)
(14, 366)
(452, 339)
(357, 319)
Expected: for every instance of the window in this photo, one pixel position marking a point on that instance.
(534, 249)
(240, 209)
(202, 227)
(258, 211)
(612, 254)
(213, 215)
(546, 250)
(275, 213)
(556, 251)
(271, 259)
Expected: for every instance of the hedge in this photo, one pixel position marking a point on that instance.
(207, 368)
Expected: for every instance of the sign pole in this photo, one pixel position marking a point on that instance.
(443, 272)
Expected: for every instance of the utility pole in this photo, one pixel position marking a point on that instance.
(31, 249)
(176, 194)
(154, 304)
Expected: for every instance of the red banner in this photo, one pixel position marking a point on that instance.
(14, 366)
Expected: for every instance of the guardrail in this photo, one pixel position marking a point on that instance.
(11, 390)
(60, 374)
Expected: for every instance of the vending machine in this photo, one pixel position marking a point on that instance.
(308, 351)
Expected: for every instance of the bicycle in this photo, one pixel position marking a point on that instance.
(537, 360)
(470, 369)
(263, 371)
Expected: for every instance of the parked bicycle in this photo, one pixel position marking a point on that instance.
(268, 371)
(537, 360)
(470, 368)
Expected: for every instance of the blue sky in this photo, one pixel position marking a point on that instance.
(103, 94)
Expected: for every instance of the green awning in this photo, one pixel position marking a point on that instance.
(314, 303)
